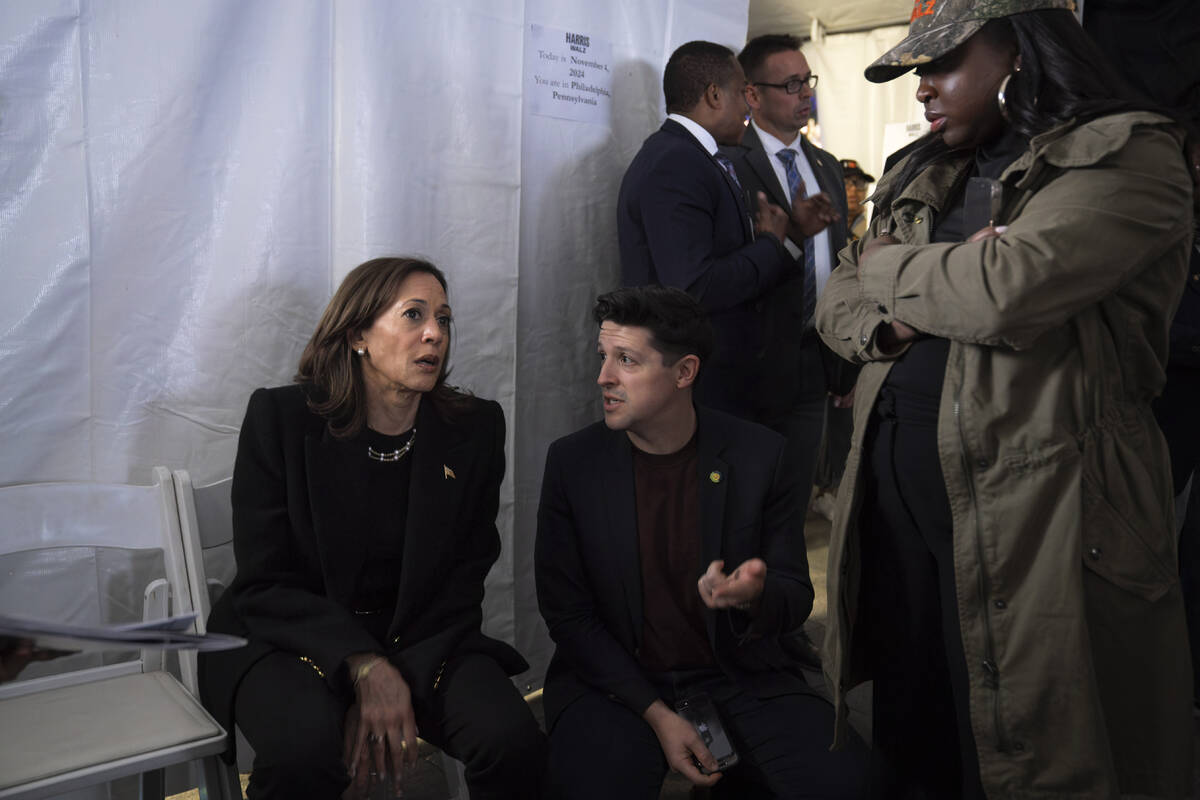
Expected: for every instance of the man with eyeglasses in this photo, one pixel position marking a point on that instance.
(776, 160)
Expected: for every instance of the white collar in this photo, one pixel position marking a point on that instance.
(696, 129)
(773, 145)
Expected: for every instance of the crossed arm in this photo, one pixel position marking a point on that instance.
(1077, 240)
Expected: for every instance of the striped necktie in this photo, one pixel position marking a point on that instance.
(727, 165)
(796, 188)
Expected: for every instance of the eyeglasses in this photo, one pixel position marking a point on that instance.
(794, 85)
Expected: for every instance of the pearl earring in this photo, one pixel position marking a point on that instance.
(361, 351)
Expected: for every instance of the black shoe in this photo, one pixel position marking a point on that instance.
(800, 647)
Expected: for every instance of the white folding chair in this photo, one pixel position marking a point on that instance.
(206, 520)
(206, 528)
(206, 523)
(81, 553)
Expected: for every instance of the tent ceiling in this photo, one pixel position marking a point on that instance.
(836, 16)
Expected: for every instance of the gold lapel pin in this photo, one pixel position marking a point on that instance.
(447, 472)
(714, 476)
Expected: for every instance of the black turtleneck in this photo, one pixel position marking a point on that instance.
(382, 531)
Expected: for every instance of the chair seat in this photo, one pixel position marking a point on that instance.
(100, 731)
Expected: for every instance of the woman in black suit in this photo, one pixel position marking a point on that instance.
(364, 508)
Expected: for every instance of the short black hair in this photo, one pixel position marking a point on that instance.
(760, 48)
(691, 69)
(678, 325)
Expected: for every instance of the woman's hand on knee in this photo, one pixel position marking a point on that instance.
(381, 727)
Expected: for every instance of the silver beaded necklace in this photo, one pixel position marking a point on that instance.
(395, 455)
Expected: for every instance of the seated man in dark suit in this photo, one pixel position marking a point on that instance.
(670, 558)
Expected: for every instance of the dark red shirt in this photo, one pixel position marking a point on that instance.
(667, 494)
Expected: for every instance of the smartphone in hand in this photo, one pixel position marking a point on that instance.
(699, 710)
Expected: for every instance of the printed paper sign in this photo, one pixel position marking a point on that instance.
(568, 75)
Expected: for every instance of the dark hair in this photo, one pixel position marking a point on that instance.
(760, 48)
(1064, 76)
(692, 68)
(329, 364)
(678, 324)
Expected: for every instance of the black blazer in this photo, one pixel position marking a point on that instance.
(294, 511)
(682, 222)
(782, 309)
(587, 565)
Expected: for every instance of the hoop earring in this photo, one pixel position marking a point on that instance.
(1000, 95)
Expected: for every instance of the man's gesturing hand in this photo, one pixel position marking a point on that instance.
(741, 589)
(770, 218)
(810, 216)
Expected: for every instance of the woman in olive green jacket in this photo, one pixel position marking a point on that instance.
(1002, 561)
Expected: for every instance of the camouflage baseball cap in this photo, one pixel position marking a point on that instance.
(938, 26)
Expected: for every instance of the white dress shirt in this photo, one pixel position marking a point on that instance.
(696, 129)
(823, 253)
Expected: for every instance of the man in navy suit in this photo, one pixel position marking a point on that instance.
(684, 221)
(669, 560)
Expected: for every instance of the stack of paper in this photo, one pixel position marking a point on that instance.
(169, 633)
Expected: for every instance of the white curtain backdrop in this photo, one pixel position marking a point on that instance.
(182, 185)
(853, 112)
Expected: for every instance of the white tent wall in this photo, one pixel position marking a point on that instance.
(427, 155)
(45, 309)
(854, 113)
(165, 230)
(185, 183)
(207, 140)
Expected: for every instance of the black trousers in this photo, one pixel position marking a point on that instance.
(602, 750)
(294, 722)
(922, 745)
(803, 424)
(835, 446)
(1176, 414)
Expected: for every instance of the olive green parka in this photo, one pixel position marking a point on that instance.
(1065, 556)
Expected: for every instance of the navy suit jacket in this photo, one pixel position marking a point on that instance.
(783, 308)
(587, 563)
(683, 222)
